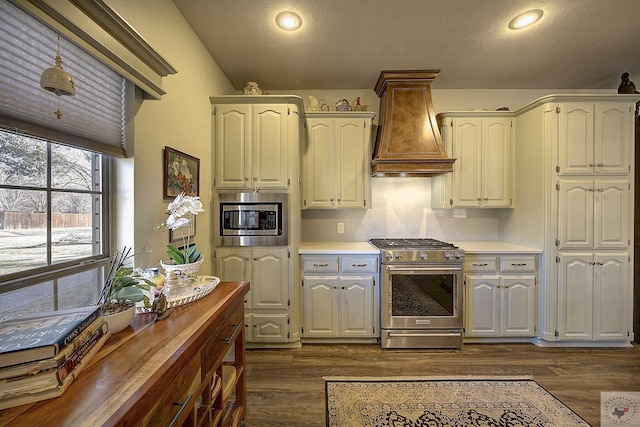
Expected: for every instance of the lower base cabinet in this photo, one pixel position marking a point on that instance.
(268, 305)
(500, 296)
(340, 297)
(594, 296)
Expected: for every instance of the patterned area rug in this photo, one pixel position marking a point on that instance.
(443, 401)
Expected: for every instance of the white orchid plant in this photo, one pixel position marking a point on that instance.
(182, 212)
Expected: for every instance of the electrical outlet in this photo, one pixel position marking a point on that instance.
(340, 228)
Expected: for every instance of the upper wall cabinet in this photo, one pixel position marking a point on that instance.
(336, 171)
(252, 142)
(594, 138)
(482, 177)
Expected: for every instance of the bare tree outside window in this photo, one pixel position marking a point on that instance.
(50, 206)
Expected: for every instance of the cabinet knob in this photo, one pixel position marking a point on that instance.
(486, 199)
(335, 287)
(479, 199)
(246, 179)
(343, 288)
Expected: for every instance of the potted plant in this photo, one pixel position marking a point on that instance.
(123, 288)
(182, 211)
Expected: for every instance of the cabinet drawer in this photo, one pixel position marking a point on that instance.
(182, 388)
(358, 264)
(318, 264)
(221, 342)
(481, 263)
(518, 263)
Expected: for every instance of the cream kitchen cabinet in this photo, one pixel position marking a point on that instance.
(268, 303)
(252, 143)
(482, 177)
(336, 171)
(500, 297)
(594, 138)
(593, 294)
(573, 155)
(340, 296)
(593, 213)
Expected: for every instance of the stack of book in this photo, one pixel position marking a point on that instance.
(41, 355)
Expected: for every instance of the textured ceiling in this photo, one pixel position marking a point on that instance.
(344, 44)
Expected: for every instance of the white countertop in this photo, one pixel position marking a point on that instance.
(320, 248)
(494, 247)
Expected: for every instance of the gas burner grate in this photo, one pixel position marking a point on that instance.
(410, 243)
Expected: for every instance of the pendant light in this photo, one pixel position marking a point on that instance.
(58, 81)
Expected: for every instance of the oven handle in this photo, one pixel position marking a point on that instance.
(414, 268)
(416, 334)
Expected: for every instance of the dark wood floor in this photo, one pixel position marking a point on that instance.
(285, 387)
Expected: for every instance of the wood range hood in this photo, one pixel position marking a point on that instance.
(408, 141)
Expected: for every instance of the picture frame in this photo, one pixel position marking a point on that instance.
(181, 174)
(176, 236)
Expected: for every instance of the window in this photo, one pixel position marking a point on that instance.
(52, 224)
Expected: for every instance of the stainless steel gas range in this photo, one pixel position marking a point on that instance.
(421, 301)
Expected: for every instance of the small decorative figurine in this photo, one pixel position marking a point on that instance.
(252, 89)
(357, 106)
(626, 86)
(160, 307)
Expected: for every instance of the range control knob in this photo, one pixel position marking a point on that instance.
(447, 255)
(459, 255)
(398, 256)
(387, 257)
(423, 255)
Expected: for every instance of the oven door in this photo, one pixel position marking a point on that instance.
(422, 297)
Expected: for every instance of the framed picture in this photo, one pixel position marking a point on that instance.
(181, 174)
(179, 235)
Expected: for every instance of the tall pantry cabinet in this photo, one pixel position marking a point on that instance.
(581, 213)
(256, 142)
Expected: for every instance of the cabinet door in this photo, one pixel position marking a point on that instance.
(270, 279)
(233, 146)
(267, 327)
(611, 293)
(319, 165)
(575, 214)
(576, 138)
(233, 265)
(467, 180)
(356, 307)
(613, 131)
(517, 305)
(270, 147)
(350, 158)
(482, 306)
(575, 296)
(496, 162)
(320, 295)
(611, 214)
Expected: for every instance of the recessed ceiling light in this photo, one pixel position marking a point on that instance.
(289, 21)
(525, 19)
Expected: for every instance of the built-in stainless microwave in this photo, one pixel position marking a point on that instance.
(251, 219)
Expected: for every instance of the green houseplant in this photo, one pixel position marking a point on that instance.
(123, 288)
